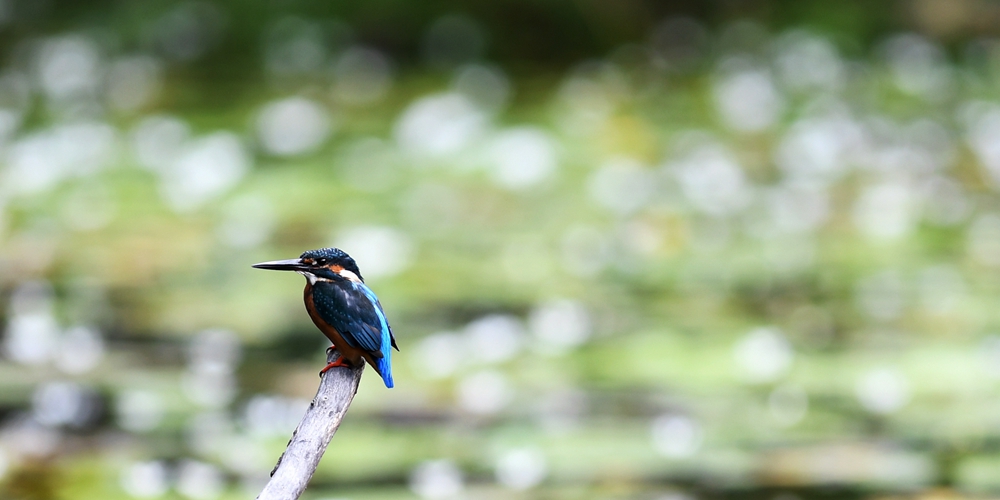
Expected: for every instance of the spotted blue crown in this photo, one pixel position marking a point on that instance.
(334, 256)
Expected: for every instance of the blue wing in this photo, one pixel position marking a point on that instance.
(354, 310)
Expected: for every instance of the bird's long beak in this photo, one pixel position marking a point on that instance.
(283, 265)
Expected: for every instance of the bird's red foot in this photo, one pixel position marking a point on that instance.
(339, 362)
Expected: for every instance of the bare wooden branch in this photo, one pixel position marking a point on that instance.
(297, 464)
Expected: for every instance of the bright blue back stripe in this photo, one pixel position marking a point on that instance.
(384, 363)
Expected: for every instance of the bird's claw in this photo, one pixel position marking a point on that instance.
(340, 361)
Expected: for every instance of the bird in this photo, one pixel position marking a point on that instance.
(343, 308)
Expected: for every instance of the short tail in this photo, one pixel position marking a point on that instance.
(384, 369)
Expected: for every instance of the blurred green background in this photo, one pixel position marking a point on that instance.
(679, 250)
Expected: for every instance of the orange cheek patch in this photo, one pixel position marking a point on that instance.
(338, 269)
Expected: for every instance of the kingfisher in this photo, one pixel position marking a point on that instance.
(343, 308)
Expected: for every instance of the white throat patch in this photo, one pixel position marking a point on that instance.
(311, 277)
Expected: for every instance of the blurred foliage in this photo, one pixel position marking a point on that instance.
(664, 250)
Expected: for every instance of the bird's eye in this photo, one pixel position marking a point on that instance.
(322, 262)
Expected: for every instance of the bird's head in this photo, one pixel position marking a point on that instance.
(324, 264)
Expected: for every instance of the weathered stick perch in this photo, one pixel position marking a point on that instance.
(297, 464)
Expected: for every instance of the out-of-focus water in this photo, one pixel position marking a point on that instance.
(719, 261)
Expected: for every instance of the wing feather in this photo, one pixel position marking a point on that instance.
(354, 311)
